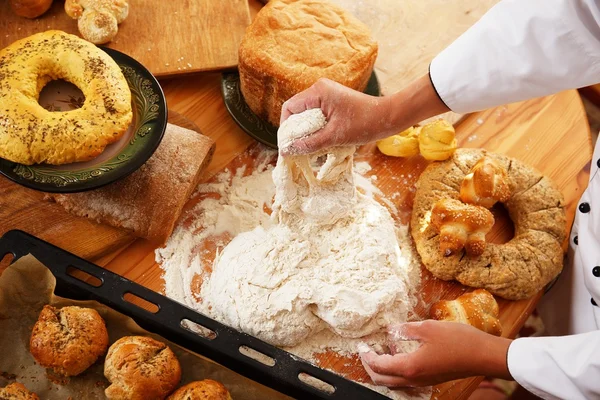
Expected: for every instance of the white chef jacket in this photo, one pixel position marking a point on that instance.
(519, 50)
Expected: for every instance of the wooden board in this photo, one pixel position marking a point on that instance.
(167, 37)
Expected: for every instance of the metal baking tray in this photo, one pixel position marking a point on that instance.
(222, 345)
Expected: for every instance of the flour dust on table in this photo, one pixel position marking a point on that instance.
(326, 269)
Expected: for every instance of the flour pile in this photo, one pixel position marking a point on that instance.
(324, 270)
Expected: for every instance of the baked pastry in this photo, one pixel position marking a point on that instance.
(404, 144)
(514, 270)
(98, 20)
(139, 367)
(461, 226)
(30, 134)
(292, 43)
(437, 140)
(68, 340)
(17, 391)
(485, 185)
(477, 308)
(30, 8)
(149, 201)
(206, 389)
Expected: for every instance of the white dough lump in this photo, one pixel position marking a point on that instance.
(330, 260)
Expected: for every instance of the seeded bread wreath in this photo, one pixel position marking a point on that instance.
(514, 270)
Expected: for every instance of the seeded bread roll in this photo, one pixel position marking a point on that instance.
(140, 368)
(17, 391)
(206, 389)
(293, 43)
(68, 340)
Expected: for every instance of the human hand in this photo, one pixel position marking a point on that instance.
(448, 351)
(352, 117)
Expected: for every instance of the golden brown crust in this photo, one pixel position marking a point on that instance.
(293, 43)
(514, 270)
(30, 8)
(30, 134)
(486, 184)
(477, 308)
(68, 340)
(17, 391)
(461, 226)
(206, 389)
(139, 367)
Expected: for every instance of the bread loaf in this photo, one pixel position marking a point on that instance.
(17, 391)
(477, 308)
(293, 43)
(206, 389)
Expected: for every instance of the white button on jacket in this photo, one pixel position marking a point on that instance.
(519, 50)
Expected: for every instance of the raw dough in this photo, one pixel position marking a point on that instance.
(330, 260)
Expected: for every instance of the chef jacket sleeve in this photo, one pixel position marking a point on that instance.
(561, 367)
(518, 50)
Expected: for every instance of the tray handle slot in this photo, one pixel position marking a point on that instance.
(84, 276)
(257, 356)
(316, 383)
(198, 329)
(6, 260)
(141, 302)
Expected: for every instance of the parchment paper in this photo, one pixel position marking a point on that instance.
(26, 286)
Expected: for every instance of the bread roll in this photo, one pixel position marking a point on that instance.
(68, 340)
(140, 368)
(206, 389)
(30, 8)
(461, 226)
(17, 391)
(486, 184)
(477, 308)
(293, 43)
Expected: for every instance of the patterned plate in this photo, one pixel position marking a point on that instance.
(119, 159)
(254, 126)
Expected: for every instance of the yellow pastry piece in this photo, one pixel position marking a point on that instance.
(437, 140)
(404, 144)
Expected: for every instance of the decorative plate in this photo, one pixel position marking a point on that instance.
(254, 126)
(119, 159)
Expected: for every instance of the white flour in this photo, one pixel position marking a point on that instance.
(327, 270)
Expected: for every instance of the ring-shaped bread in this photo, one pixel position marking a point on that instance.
(514, 270)
(29, 133)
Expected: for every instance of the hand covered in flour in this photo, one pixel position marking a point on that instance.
(356, 118)
(448, 350)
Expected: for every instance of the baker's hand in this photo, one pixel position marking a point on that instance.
(352, 117)
(448, 350)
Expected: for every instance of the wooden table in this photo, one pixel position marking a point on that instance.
(551, 133)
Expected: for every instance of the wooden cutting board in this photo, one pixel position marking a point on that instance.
(169, 37)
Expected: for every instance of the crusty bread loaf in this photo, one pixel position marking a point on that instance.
(206, 389)
(477, 308)
(293, 43)
(17, 391)
(140, 368)
(149, 201)
(68, 340)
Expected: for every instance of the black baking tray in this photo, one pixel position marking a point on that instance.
(222, 347)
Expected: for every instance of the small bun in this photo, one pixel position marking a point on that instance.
(68, 340)
(17, 391)
(206, 389)
(97, 26)
(140, 367)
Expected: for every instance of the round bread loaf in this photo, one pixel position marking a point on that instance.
(514, 270)
(30, 134)
(17, 391)
(292, 43)
(68, 340)
(140, 368)
(206, 389)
